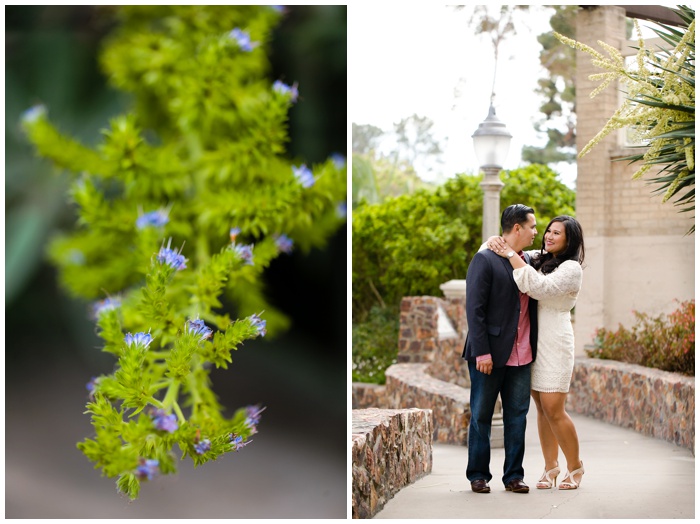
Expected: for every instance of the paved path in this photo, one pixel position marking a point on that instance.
(627, 476)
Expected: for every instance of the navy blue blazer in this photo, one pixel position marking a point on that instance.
(493, 309)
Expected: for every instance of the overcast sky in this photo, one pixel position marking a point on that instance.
(424, 59)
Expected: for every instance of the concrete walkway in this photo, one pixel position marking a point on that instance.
(627, 476)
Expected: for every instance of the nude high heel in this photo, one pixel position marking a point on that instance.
(549, 478)
(569, 482)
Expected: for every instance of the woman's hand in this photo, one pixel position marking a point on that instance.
(499, 246)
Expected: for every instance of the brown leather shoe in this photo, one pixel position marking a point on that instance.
(480, 486)
(517, 486)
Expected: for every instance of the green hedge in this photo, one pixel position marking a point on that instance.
(409, 245)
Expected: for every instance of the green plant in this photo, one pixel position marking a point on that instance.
(411, 244)
(375, 344)
(664, 342)
(181, 207)
(659, 108)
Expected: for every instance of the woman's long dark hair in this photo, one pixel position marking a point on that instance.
(574, 250)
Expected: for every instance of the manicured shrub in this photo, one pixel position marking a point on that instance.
(665, 342)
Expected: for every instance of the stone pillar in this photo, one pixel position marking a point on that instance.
(491, 185)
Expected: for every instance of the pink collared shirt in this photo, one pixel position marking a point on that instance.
(522, 350)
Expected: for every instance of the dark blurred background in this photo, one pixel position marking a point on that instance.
(297, 466)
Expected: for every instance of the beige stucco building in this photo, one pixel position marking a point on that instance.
(638, 256)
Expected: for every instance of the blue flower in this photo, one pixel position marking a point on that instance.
(163, 421)
(234, 232)
(284, 89)
(33, 114)
(202, 446)
(237, 442)
(172, 258)
(90, 386)
(76, 257)
(244, 252)
(147, 469)
(284, 243)
(253, 417)
(242, 38)
(197, 327)
(341, 210)
(156, 218)
(140, 339)
(338, 160)
(258, 324)
(304, 175)
(104, 305)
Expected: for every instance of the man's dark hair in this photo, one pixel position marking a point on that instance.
(515, 214)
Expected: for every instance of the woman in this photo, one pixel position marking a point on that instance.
(554, 280)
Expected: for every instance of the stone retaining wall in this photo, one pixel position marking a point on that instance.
(418, 327)
(410, 385)
(653, 402)
(390, 449)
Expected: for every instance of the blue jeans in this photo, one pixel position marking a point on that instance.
(513, 383)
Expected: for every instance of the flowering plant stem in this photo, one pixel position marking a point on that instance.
(181, 207)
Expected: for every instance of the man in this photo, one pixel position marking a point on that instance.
(500, 347)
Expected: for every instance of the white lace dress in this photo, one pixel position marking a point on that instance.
(556, 294)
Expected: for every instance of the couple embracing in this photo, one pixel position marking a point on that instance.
(520, 343)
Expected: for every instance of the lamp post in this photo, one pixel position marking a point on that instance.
(491, 144)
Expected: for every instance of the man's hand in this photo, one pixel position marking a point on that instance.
(485, 366)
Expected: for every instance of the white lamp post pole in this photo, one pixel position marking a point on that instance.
(491, 144)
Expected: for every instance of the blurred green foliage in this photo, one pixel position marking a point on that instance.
(51, 58)
(199, 159)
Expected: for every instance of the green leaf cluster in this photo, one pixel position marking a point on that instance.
(203, 148)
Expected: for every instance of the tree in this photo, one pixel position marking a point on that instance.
(364, 138)
(414, 136)
(558, 91)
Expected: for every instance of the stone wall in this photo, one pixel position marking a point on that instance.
(390, 449)
(411, 385)
(653, 402)
(418, 325)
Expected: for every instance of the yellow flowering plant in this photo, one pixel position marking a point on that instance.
(659, 107)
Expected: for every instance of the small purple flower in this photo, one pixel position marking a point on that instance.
(338, 160)
(76, 257)
(258, 324)
(237, 442)
(304, 175)
(242, 38)
(234, 232)
(140, 339)
(284, 89)
(147, 469)
(284, 243)
(33, 114)
(172, 258)
(202, 446)
(90, 386)
(97, 308)
(197, 327)
(341, 210)
(163, 421)
(156, 218)
(245, 252)
(253, 417)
